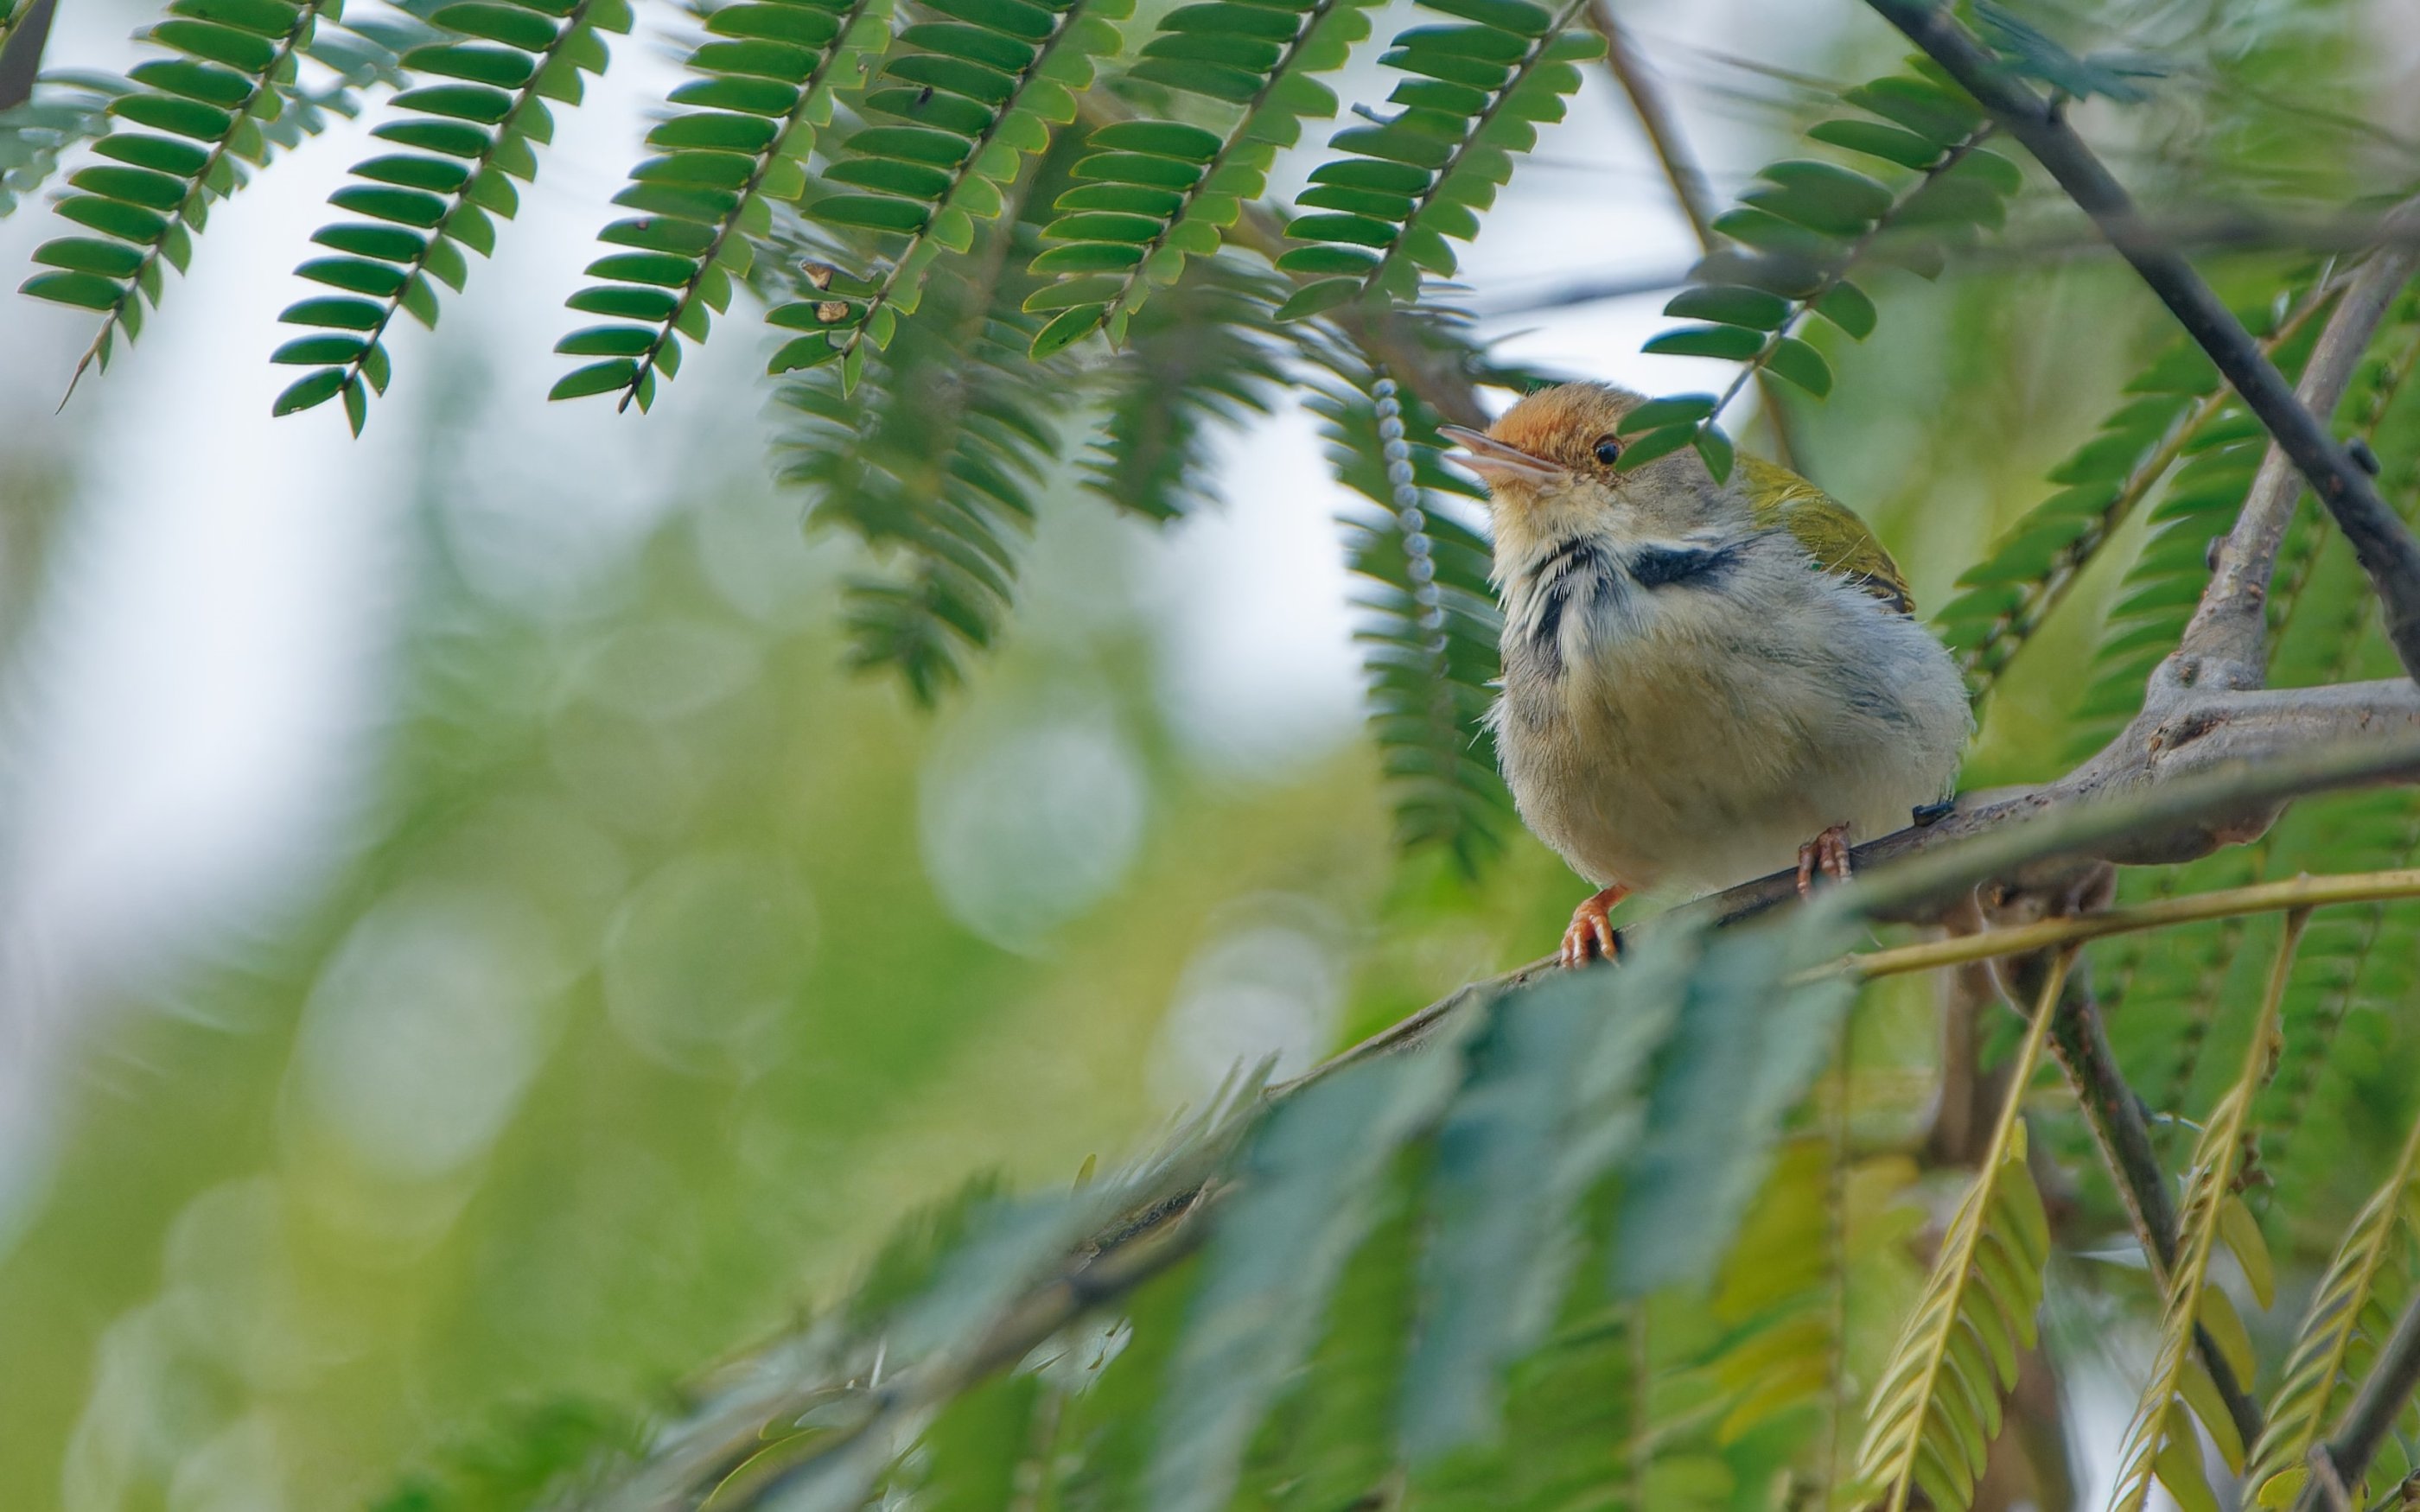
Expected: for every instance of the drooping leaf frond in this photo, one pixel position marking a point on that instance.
(462, 143)
(207, 113)
(2351, 1313)
(1163, 190)
(64, 110)
(2008, 594)
(531, 1457)
(976, 95)
(765, 87)
(1825, 1217)
(1194, 364)
(1379, 212)
(1795, 237)
(1937, 1406)
(2160, 1443)
(1429, 637)
(1239, 1310)
(933, 463)
(1510, 1172)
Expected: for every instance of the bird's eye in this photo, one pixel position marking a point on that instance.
(1608, 451)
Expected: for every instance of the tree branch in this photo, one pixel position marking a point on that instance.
(2114, 1116)
(2382, 543)
(2206, 770)
(2371, 1417)
(2226, 642)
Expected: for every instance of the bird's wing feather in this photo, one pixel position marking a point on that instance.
(1831, 532)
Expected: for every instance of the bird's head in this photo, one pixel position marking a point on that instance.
(1549, 467)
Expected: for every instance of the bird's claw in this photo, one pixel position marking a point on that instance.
(1827, 853)
(1591, 934)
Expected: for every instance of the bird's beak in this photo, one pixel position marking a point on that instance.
(1495, 463)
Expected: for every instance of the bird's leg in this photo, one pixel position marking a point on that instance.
(1827, 853)
(1591, 931)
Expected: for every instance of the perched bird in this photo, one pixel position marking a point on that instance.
(1698, 676)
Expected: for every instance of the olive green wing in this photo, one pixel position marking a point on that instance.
(1829, 528)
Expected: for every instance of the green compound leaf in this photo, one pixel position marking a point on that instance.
(422, 206)
(1174, 188)
(2160, 1443)
(765, 100)
(964, 136)
(214, 104)
(1937, 1406)
(2005, 597)
(1808, 222)
(1380, 212)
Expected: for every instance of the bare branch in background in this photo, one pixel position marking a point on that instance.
(2386, 548)
(2216, 230)
(1645, 93)
(23, 37)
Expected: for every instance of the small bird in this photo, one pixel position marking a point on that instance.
(1698, 676)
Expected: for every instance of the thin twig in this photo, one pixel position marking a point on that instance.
(1645, 93)
(2263, 898)
(2213, 230)
(2386, 548)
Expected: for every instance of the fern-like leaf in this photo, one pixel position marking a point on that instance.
(933, 464)
(2160, 1443)
(1430, 627)
(462, 143)
(1303, 1201)
(2349, 1313)
(976, 95)
(206, 111)
(1796, 236)
(1937, 1406)
(1380, 212)
(2008, 596)
(1823, 1216)
(1195, 363)
(765, 87)
(1164, 191)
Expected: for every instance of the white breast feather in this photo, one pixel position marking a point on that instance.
(1693, 738)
